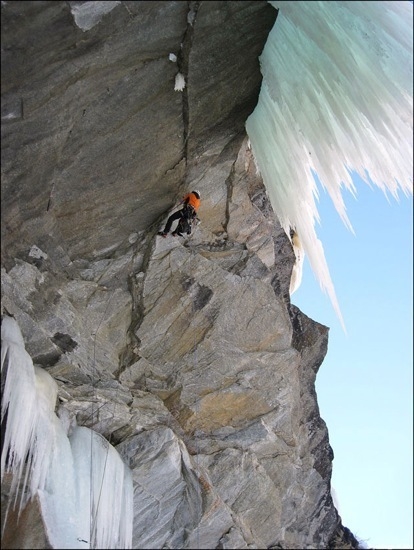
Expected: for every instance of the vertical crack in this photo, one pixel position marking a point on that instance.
(136, 281)
(230, 185)
(183, 59)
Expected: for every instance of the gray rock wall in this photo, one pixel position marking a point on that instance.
(185, 353)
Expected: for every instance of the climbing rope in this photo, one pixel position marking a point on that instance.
(93, 519)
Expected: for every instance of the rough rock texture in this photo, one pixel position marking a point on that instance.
(202, 369)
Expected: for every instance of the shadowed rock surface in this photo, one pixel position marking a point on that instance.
(203, 371)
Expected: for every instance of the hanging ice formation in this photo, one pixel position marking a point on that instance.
(84, 488)
(296, 277)
(336, 98)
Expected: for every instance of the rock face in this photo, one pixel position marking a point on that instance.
(202, 369)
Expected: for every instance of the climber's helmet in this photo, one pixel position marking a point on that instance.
(197, 193)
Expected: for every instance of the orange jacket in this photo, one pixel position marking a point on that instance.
(191, 199)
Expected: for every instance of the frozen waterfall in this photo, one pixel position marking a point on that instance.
(84, 488)
(336, 98)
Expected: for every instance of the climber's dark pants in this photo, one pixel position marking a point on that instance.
(171, 219)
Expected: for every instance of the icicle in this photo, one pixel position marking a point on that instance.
(127, 511)
(296, 277)
(33, 432)
(56, 489)
(46, 395)
(60, 515)
(19, 402)
(85, 490)
(104, 488)
(336, 97)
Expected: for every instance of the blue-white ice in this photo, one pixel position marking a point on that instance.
(84, 488)
(336, 97)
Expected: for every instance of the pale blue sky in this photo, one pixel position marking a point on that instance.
(365, 386)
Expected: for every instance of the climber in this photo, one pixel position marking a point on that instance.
(186, 216)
